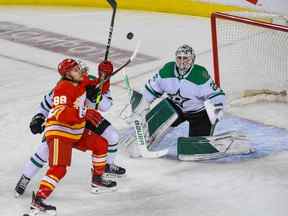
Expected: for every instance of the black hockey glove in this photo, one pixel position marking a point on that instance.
(91, 93)
(36, 124)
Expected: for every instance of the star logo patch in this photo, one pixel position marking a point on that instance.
(178, 99)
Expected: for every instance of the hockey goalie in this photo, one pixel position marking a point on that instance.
(186, 93)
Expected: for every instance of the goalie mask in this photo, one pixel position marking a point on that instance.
(185, 58)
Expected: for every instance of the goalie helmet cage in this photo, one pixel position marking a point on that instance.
(248, 54)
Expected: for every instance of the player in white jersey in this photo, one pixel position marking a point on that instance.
(191, 92)
(105, 129)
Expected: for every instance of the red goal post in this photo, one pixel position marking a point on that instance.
(249, 54)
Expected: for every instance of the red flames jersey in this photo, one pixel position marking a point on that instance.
(66, 118)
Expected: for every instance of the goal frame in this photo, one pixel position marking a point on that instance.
(218, 15)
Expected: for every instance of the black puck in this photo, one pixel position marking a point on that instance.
(130, 36)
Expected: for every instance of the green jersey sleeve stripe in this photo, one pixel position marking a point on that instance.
(153, 92)
(36, 163)
(217, 94)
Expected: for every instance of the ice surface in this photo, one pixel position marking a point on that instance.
(244, 185)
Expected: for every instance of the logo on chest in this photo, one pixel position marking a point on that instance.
(80, 101)
(178, 99)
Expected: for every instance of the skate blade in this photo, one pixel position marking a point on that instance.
(36, 212)
(113, 176)
(17, 195)
(99, 190)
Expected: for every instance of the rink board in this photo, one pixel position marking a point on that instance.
(188, 7)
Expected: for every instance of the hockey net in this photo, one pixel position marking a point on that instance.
(250, 57)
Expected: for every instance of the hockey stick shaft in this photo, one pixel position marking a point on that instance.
(113, 4)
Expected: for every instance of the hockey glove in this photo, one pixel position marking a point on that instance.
(36, 124)
(93, 117)
(91, 93)
(105, 69)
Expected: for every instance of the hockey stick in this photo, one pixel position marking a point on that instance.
(113, 4)
(142, 145)
(130, 59)
(122, 66)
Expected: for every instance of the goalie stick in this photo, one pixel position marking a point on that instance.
(139, 131)
(228, 134)
(142, 144)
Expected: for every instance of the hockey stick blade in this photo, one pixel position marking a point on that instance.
(130, 59)
(152, 154)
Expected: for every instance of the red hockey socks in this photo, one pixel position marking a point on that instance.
(50, 180)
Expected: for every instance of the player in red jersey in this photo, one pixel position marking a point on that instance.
(65, 129)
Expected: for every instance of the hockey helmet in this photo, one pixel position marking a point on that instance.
(185, 58)
(66, 65)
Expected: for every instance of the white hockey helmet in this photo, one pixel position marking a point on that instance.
(185, 58)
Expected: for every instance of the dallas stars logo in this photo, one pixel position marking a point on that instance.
(178, 99)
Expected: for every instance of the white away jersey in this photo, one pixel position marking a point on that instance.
(188, 92)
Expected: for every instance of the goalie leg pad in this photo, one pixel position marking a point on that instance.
(195, 145)
(212, 147)
(159, 119)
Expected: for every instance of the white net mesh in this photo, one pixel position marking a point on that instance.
(251, 57)
(261, 16)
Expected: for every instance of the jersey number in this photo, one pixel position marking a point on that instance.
(213, 86)
(58, 100)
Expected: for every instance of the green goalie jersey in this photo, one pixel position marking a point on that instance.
(188, 92)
